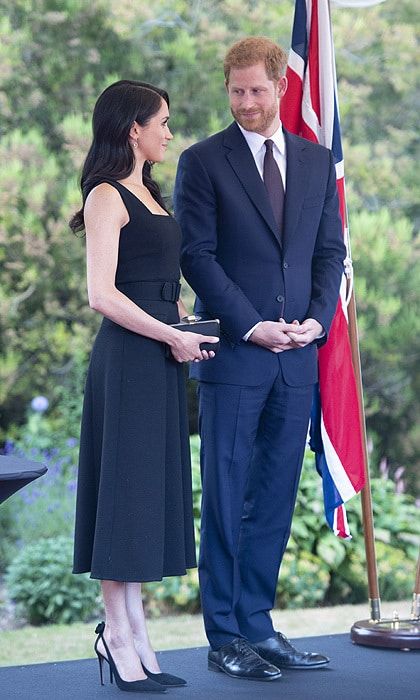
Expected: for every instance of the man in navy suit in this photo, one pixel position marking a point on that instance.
(263, 251)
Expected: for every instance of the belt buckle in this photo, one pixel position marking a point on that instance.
(170, 291)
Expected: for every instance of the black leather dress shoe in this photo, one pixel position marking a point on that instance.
(238, 660)
(277, 650)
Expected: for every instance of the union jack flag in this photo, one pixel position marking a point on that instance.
(310, 108)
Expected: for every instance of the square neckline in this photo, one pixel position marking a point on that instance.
(167, 216)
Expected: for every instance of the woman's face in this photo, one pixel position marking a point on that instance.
(153, 138)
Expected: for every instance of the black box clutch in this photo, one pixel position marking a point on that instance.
(194, 324)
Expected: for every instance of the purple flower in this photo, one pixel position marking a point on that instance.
(26, 497)
(52, 452)
(400, 486)
(39, 404)
(398, 473)
(383, 468)
(72, 442)
(8, 447)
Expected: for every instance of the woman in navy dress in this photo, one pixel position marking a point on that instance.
(134, 520)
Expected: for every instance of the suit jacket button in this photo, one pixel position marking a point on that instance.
(286, 265)
(279, 298)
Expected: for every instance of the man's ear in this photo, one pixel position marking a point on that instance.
(282, 86)
(227, 86)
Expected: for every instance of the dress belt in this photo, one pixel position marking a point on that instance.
(152, 290)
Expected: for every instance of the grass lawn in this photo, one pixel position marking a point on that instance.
(31, 645)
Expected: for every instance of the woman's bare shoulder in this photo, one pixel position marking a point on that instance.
(104, 201)
(104, 192)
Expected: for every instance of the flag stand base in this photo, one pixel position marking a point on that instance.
(392, 633)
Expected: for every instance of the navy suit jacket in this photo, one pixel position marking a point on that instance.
(236, 263)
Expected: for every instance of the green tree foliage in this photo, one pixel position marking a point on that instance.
(55, 58)
(44, 320)
(378, 80)
(387, 267)
(63, 50)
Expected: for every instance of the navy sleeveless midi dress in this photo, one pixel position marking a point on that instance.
(134, 517)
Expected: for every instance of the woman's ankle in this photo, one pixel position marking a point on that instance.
(147, 655)
(118, 635)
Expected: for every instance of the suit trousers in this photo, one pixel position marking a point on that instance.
(252, 445)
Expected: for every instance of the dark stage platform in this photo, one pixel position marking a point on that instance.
(354, 673)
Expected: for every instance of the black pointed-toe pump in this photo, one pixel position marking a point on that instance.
(165, 679)
(147, 685)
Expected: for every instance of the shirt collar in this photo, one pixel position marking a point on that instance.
(256, 141)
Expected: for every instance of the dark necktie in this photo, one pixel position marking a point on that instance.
(274, 183)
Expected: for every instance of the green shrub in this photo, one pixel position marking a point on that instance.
(8, 535)
(181, 593)
(196, 482)
(397, 537)
(40, 581)
(349, 581)
(303, 581)
(396, 574)
(45, 506)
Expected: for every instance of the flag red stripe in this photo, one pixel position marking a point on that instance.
(340, 407)
(307, 133)
(341, 526)
(292, 118)
(342, 198)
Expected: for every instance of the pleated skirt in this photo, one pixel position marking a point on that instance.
(134, 517)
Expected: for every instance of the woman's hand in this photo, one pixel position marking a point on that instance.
(185, 346)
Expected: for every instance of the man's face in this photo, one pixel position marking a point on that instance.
(255, 99)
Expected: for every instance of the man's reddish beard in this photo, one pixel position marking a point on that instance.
(260, 122)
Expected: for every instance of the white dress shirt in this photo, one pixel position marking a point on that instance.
(256, 143)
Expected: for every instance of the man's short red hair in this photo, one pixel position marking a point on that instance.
(256, 49)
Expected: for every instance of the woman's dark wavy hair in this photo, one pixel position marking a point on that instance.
(110, 156)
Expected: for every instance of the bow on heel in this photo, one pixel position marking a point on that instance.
(140, 686)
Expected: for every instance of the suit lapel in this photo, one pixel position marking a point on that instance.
(296, 184)
(241, 160)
